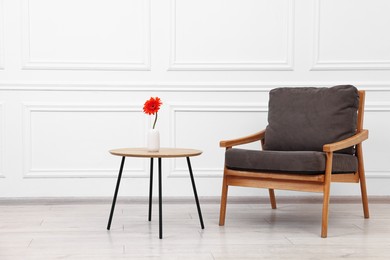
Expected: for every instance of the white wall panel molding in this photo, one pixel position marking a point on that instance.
(110, 46)
(368, 63)
(206, 172)
(179, 86)
(234, 63)
(2, 35)
(138, 86)
(376, 108)
(134, 171)
(2, 140)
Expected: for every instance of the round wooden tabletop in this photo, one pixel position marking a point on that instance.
(162, 153)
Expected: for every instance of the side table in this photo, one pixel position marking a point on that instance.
(162, 153)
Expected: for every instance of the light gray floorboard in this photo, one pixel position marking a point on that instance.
(252, 231)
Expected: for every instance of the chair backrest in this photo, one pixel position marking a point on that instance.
(304, 119)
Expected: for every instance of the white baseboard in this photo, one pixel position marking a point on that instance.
(317, 199)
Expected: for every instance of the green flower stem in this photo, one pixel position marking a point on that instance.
(155, 121)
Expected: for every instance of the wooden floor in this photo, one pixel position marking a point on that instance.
(252, 231)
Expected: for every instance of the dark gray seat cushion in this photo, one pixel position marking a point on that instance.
(304, 119)
(305, 162)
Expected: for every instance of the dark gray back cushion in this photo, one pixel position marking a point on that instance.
(304, 119)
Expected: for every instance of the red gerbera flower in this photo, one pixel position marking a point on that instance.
(152, 106)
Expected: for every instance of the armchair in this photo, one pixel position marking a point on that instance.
(314, 137)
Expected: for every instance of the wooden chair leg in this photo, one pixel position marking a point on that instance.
(222, 212)
(362, 178)
(272, 198)
(363, 189)
(325, 203)
(325, 211)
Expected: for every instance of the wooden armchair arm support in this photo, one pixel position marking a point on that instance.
(243, 140)
(351, 141)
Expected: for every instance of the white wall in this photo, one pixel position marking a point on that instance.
(74, 75)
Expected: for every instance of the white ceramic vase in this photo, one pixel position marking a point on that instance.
(153, 140)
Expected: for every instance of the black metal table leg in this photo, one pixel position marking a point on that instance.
(150, 189)
(160, 198)
(116, 193)
(195, 193)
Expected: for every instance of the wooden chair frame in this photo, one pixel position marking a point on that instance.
(301, 182)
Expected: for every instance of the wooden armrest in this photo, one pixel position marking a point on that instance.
(351, 141)
(243, 140)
